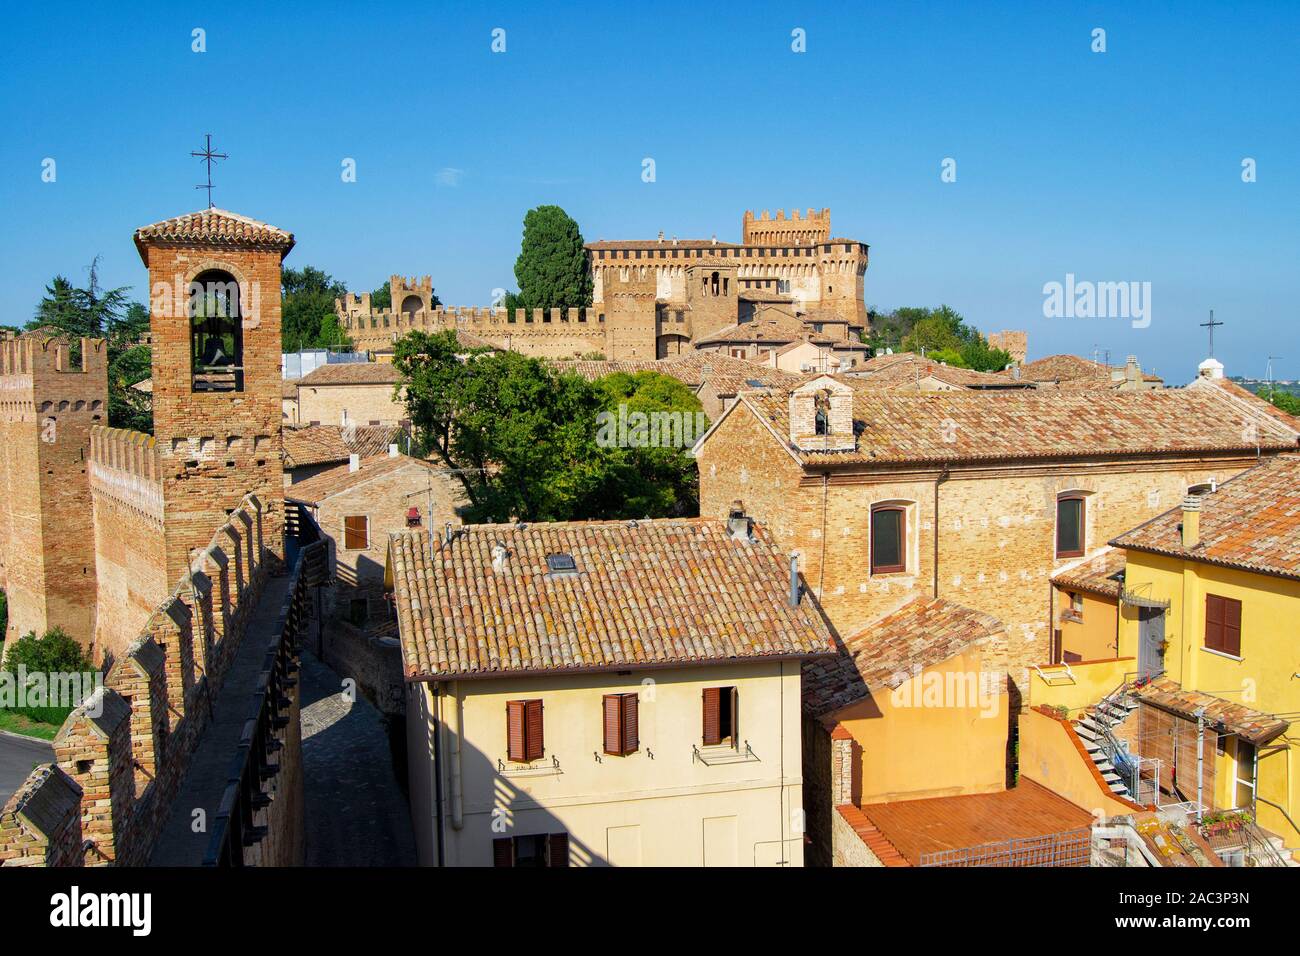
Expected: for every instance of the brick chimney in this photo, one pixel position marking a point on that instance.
(1191, 522)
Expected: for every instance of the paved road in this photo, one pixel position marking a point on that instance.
(355, 812)
(18, 755)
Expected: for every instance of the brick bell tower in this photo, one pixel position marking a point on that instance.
(214, 280)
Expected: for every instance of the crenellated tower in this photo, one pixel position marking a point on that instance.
(49, 401)
(214, 279)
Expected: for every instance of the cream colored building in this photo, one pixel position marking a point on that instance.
(638, 704)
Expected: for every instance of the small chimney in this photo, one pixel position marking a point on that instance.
(354, 462)
(739, 524)
(795, 590)
(661, 235)
(1191, 522)
(1015, 372)
(392, 451)
(446, 533)
(499, 554)
(1132, 371)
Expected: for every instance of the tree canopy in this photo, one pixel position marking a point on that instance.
(307, 316)
(552, 268)
(941, 333)
(524, 437)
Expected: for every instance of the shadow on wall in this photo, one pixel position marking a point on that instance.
(501, 825)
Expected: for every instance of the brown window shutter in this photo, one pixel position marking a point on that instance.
(535, 745)
(503, 852)
(712, 715)
(613, 725)
(558, 851)
(516, 737)
(1232, 627)
(631, 724)
(356, 532)
(1214, 616)
(734, 704)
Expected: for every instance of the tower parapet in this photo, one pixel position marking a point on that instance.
(798, 230)
(48, 405)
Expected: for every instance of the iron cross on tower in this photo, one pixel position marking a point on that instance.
(1210, 325)
(208, 157)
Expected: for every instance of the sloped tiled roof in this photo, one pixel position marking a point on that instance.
(727, 375)
(1102, 574)
(322, 444)
(1255, 726)
(773, 327)
(289, 389)
(881, 656)
(653, 592)
(218, 227)
(1029, 424)
(1245, 398)
(317, 488)
(904, 369)
(352, 373)
(1251, 522)
(1063, 368)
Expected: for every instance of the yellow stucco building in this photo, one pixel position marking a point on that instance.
(604, 693)
(1227, 564)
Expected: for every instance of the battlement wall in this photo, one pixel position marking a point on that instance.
(799, 230)
(122, 755)
(39, 355)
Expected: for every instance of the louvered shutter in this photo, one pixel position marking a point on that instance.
(1214, 616)
(503, 852)
(613, 725)
(516, 735)
(631, 727)
(535, 747)
(558, 851)
(712, 715)
(1232, 627)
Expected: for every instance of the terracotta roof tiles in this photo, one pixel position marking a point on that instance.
(1102, 574)
(883, 655)
(214, 227)
(1252, 522)
(654, 592)
(1234, 718)
(352, 373)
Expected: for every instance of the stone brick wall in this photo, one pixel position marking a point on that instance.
(364, 405)
(215, 447)
(130, 550)
(47, 409)
(125, 750)
(996, 526)
(545, 333)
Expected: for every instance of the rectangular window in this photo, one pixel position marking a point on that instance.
(1069, 527)
(524, 741)
(356, 533)
(533, 850)
(888, 540)
(721, 716)
(620, 721)
(1223, 624)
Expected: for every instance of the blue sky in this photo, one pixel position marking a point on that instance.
(1115, 166)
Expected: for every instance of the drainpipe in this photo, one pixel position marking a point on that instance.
(1200, 762)
(943, 476)
(437, 766)
(457, 794)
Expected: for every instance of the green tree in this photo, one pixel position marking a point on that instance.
(652, 481)
(307, 316)
(55, 652)
(433, 376)
(382, 298)
(552, 267)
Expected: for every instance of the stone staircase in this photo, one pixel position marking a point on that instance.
(1093, 724)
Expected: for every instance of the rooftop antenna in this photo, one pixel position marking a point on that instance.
(1269, 374)
(209, 157)
(1210, 325)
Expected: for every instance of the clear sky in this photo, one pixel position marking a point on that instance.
(1117, 166)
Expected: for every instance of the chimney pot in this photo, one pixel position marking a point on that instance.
(499, 554)
(1191, 521)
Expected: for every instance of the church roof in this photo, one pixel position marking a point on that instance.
(218, 227)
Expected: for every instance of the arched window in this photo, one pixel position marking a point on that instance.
(888, 538)
(715, 284)
(216, 333)
(1071, 515)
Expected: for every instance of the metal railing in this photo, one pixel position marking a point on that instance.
(1067, 848)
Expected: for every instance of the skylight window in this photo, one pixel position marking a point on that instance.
(561, 564)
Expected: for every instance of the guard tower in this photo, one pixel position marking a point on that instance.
(214, 279)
